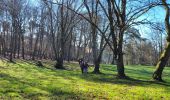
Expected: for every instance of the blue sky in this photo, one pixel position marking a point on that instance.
(34, 2)
(156, 14)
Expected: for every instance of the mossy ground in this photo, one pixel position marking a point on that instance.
(24, 80)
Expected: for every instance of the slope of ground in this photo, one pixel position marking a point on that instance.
(24, 80)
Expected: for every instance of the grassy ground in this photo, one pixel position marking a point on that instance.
(23, 80)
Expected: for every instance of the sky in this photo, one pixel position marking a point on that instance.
(34, 2)
(156, 14)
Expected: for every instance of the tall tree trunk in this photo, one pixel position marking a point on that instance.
(113, 59)
(94, 50)
(96, 67)
(69, 49)
(78, 47)
(99, 56)
(31, 45)
(120, 66)
(74, 48)
(35, 47)
(120, 63)
(23, 53)
(12, 40)
(98, 60)
(18, 44)
(157, 75)
(60, 59)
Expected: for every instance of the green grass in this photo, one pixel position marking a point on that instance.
(23, 80)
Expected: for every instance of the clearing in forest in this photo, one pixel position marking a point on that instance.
(24, 80)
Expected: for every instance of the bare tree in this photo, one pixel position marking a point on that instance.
(157, 75)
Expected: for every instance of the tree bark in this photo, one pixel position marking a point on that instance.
(157, 75)
(60, 59)
(120, 66)
(96, 67)
(70, 48)
(120, 63)
(23, 49)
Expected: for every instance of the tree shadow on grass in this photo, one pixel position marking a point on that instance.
(44, 63)
(54, 93)
(67, 74)
(141, 73)
(107, 78)
(111, 78)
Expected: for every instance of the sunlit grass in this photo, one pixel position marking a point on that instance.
(24, 80)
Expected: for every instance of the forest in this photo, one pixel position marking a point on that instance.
(84, 49)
